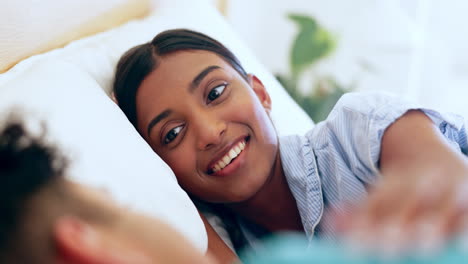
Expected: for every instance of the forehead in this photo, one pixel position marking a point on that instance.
(181, 67)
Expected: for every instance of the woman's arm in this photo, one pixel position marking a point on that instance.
(419, 200)
(414, 144)
(216, 246)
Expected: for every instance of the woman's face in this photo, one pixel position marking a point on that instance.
(209, 125)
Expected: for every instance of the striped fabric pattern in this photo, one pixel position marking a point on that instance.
(337, 160)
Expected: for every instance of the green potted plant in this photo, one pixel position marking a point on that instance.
(312, 44)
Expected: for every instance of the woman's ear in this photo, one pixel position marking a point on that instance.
(80, 242)
(260, 91)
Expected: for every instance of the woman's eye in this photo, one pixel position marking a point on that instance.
(216, 92)
(172, 134)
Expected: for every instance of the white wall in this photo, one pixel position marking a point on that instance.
(444, 64)
(415, 47)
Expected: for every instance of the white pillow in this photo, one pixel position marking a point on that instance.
(65, 85)
(99, 54)
(105, 150)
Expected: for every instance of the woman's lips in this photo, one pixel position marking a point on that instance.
(230, 158)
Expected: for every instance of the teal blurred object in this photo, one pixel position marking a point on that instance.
(291, 249)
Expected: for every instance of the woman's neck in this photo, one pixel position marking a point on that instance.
(274, 206)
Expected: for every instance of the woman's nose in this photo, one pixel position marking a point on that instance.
(210, 130)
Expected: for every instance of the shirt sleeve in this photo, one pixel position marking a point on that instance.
(356, 125)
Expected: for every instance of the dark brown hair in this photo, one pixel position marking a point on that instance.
(139, 61)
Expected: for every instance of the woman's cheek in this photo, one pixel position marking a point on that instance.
(176, 161)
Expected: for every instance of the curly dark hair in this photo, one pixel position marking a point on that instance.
(26, 165)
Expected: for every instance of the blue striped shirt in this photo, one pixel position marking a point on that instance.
(336, 160)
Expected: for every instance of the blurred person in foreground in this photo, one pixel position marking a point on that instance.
(47, 218)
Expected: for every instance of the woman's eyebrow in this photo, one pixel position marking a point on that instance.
(158, 118)
(197, 80)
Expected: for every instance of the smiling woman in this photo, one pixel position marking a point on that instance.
(215, 110)
(190, 99)
(106, 149)
(190, 130)
(199, 110)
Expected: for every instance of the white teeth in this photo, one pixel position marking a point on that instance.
(222, 164)
(233, 153)
(237, 149)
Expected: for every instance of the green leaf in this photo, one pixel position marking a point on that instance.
(311, 44)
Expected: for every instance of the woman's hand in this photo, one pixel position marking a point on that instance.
(422, 198)
(410, 212)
